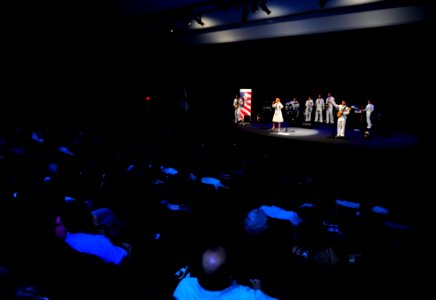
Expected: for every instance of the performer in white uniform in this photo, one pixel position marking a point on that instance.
(237, 108)
(329, 104)
(308, 111)
(343, 112)
(319, 108)
(369, 109)
(241, 103)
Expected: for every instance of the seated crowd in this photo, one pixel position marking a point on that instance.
(84, 217)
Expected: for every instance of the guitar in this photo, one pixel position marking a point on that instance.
(236, 104)
(339, 114)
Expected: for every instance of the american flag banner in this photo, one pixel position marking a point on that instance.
(246, 109)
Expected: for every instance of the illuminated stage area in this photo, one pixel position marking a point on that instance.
(326, 133)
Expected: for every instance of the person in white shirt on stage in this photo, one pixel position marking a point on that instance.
(237, 108)
(342, 114)
(241, 103)
(238, 104)
(308, 111)
(329, 104)
(319, 108)
(369, 108)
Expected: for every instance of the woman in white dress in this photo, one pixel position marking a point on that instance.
(278, 116)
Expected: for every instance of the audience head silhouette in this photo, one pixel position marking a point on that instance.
(215, 273)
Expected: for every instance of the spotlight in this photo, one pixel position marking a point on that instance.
(264, 7)
(198, 20)
(322, 3)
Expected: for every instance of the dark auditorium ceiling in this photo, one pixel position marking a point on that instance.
(224, 21)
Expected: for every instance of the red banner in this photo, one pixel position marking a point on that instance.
(246, 109)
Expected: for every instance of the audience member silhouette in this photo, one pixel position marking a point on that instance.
(214, 280)
(84, 236)
(36, 176)
(315, 242)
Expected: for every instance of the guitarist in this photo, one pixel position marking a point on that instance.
(343, 111)
(237, 108)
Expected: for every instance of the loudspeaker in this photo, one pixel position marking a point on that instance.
(307, 124)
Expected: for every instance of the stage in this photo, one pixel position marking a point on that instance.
(326, 133)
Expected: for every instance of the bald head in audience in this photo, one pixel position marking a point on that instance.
(213, 259)
(215, 273)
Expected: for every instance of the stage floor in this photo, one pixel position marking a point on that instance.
(326, 133)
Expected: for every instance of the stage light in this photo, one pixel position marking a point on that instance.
(198, 20)
(263, 6)
(322, 3)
